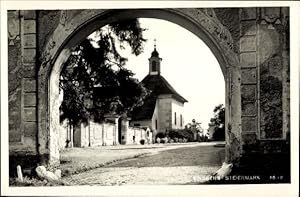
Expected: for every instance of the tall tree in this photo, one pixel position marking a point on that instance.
(94, 79)
(219, 122)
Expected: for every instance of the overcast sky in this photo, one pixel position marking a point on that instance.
(187, 64)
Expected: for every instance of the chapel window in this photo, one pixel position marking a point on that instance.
(154, 66)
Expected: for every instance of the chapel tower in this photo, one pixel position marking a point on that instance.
(154, 62)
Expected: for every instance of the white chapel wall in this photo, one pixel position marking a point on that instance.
(179, 109)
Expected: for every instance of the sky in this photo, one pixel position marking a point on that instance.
(187, 64)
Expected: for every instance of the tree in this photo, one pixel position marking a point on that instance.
(219, 122)
(94, 79)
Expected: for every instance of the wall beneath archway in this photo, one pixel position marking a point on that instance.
(251, 45)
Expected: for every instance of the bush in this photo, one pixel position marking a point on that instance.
(169, 140)
(219, 134)
(158, 140)
(142, 141)
(160, 135)
(182, 133)
(166, 139)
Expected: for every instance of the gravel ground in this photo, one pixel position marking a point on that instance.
(177, 165)
(77, 160)
(143, 176)
(183, 156)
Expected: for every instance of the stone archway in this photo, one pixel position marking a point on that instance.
(75, 25)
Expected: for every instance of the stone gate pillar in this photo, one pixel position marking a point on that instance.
(115, 118)
(264, 60)
(264, 75)
(22, 87)
(124, 129)
(249, 75)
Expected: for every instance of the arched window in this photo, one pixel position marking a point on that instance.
(175, 118)
(181, 120)
(154, 66)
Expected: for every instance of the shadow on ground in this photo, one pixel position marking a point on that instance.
(191, 156)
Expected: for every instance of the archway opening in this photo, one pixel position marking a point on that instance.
(201, 83)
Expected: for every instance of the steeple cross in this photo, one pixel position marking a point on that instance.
(155, 43)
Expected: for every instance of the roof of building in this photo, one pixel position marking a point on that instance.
(158, 86)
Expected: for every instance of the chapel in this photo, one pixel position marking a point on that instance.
(163, 108)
